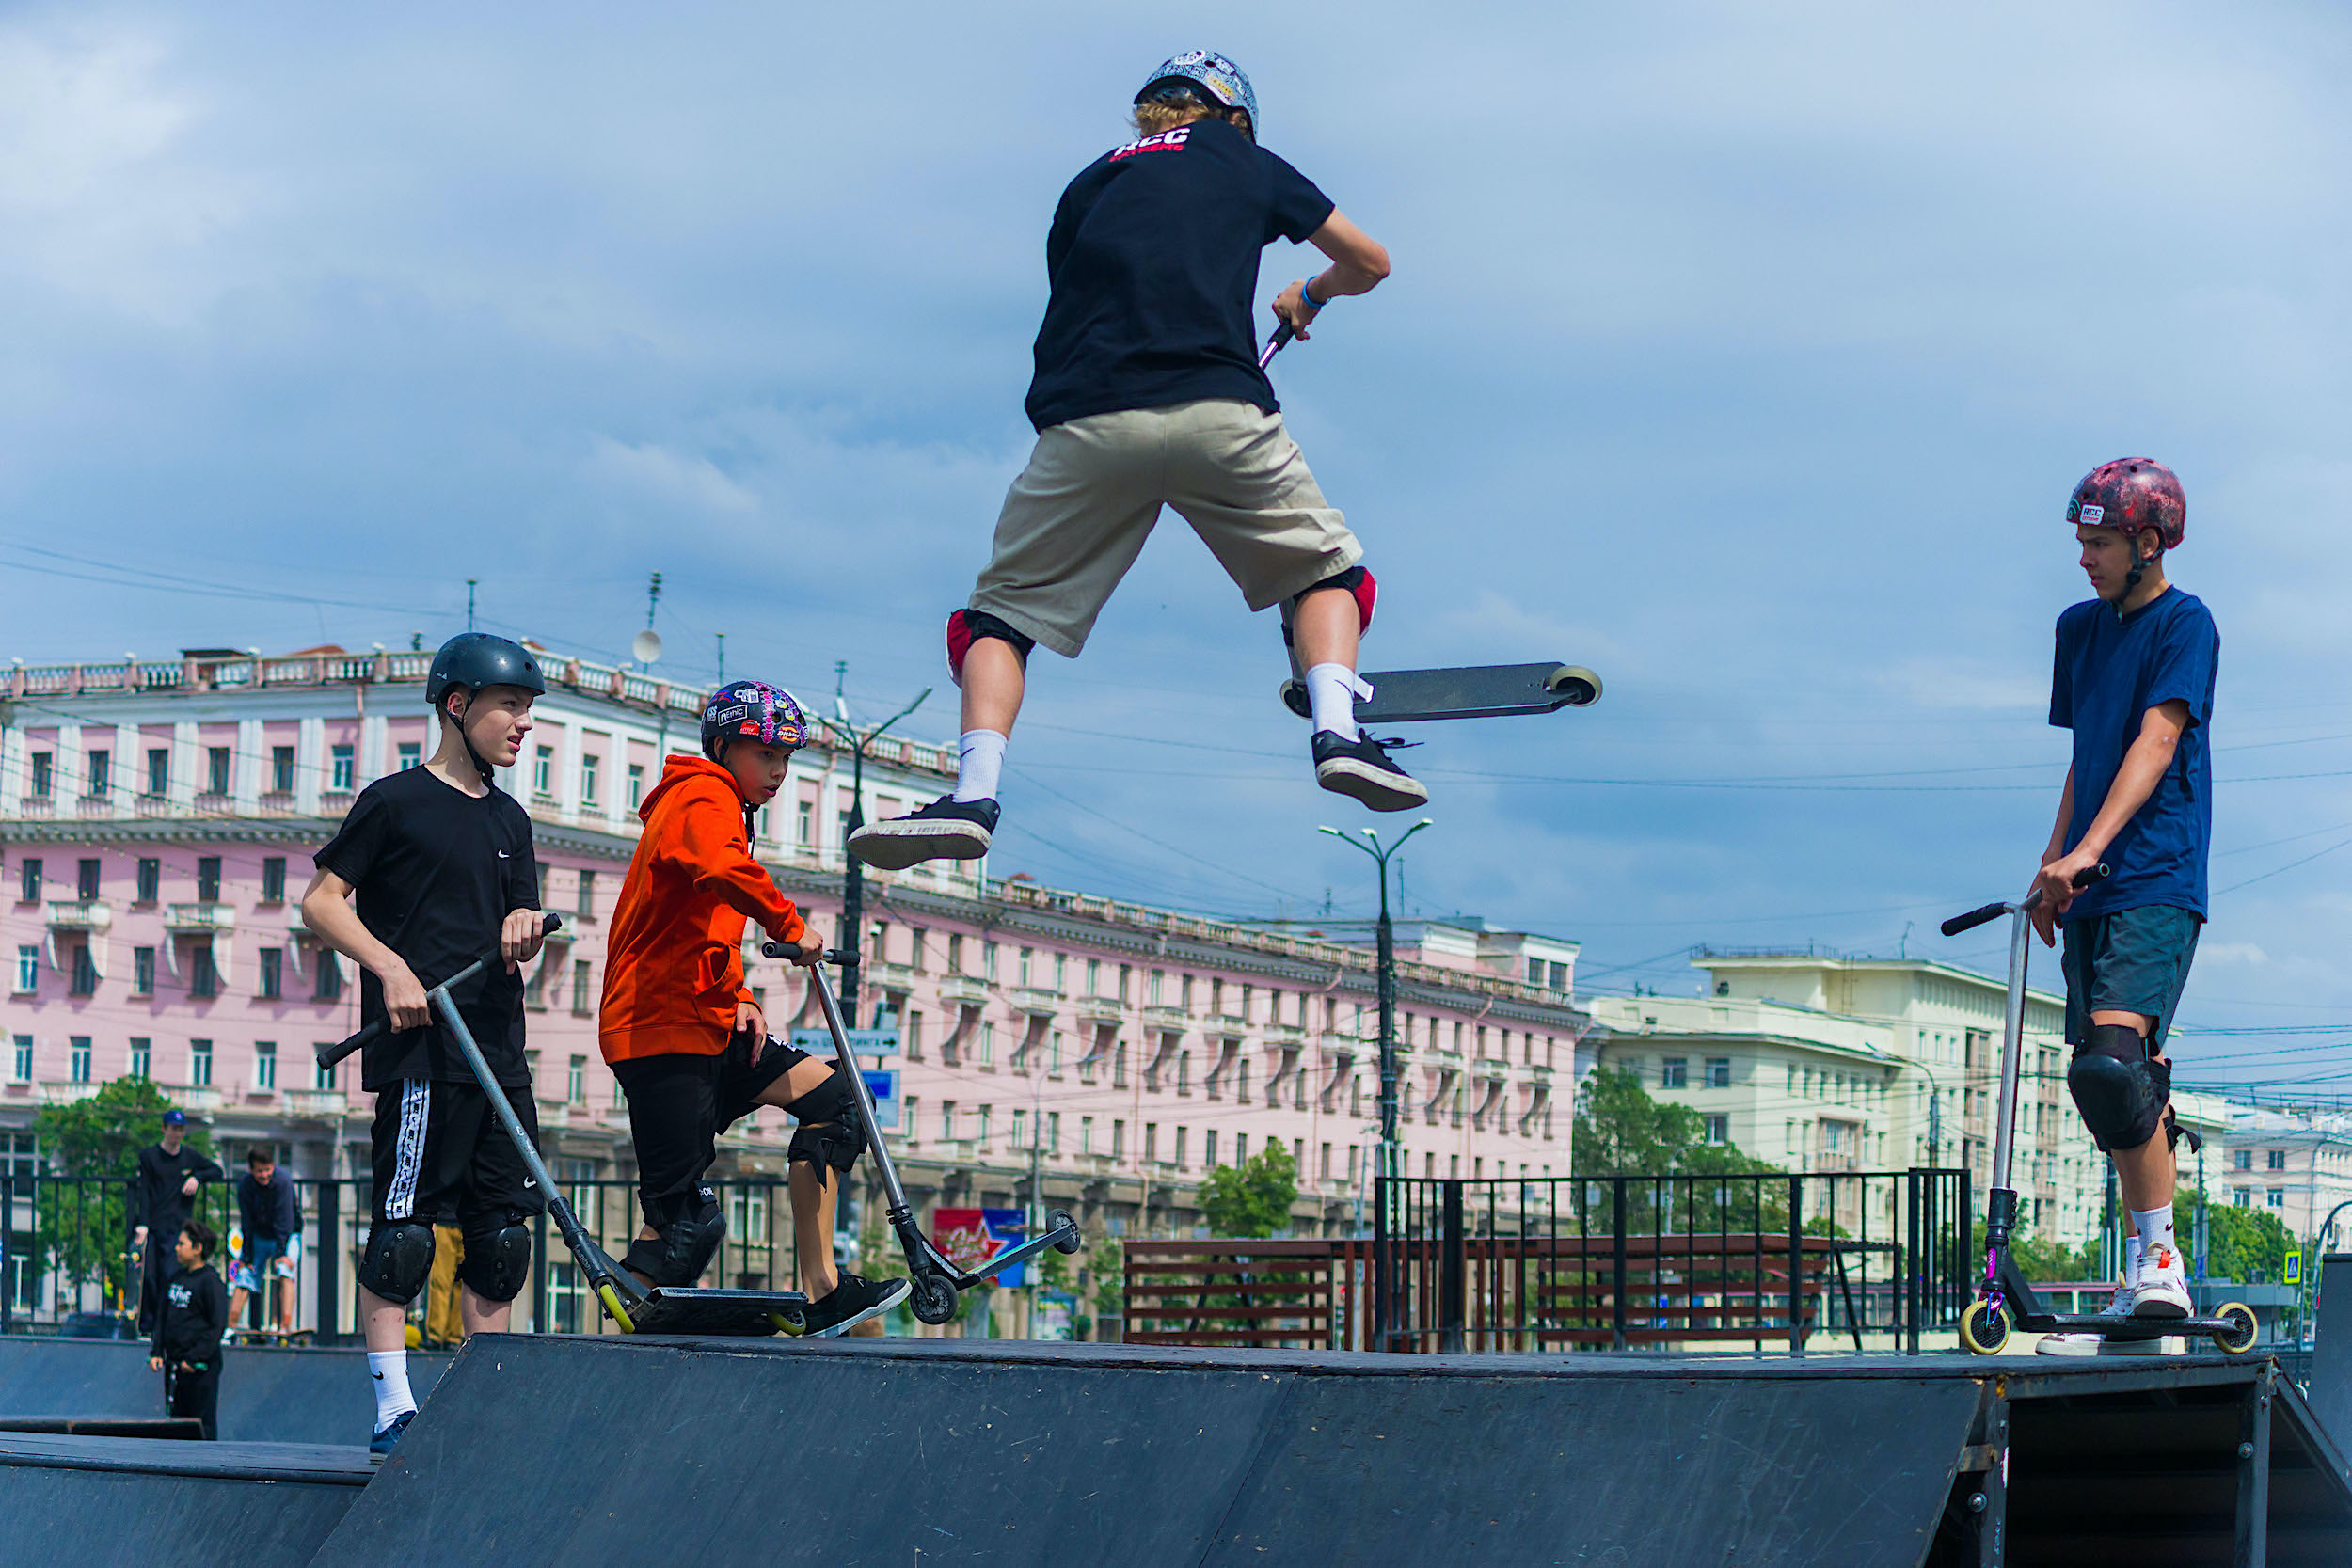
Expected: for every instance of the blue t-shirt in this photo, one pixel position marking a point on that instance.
(2110, 671)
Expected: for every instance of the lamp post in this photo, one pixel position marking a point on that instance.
(1391, 1160)
(853, 877)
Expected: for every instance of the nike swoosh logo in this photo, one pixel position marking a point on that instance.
(502, 854)
(528, 1183)
(379, 1376)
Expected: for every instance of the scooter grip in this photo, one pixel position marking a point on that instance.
(370, 1033)
(1973, 919)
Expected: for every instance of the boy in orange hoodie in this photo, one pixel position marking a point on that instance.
(682, 1032)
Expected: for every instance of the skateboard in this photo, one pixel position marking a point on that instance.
(1467, 692)
(280, 1337)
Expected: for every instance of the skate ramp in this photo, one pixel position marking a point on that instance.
(123, 1502)
(939, 1451)
(267, 1395)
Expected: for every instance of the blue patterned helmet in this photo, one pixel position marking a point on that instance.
(1220, 77)
(754, 711)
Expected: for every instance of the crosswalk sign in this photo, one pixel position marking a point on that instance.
(2294, 1275)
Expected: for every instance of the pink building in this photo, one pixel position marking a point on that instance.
(156, 827)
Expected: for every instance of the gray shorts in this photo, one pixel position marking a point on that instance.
(2130, 961)
(1076, 518)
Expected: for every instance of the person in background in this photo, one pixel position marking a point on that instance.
(444, 1325)
(268, 1243)
(168, 1177)
(191, 1311)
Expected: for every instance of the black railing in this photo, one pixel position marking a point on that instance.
(66, 1252)
(1686, 1262)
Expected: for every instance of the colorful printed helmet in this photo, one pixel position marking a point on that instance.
(2132, 494)
(755, 711)
(1220, 77)
(474, 659)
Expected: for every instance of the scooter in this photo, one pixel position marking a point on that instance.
(2004, 1298)
(934, 1277)
(661, 1309)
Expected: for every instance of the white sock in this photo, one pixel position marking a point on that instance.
(2154, 1227)
(389, 1369)
(2133, 1250)
(979, 757)
(1331, 694)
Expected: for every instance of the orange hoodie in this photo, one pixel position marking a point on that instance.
(673, 957)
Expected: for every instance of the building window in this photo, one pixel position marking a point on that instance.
(158, 772)
(274, 880)
(1151, 1142)
(988, 1045)
(1717, 1129)
(1674, 1073)
(1182, 1135)
(100, 769)
(1719, 1072)
(2277, 1198)
(20, 1060)
(151, 882)
(200, 1063)
(804, 824)
(207, 879)
(955, 954)
(281, 770)
(28, 968)
(988, 962)
(326, 1074)
(575, 1082)
(588, 781)
(85, 970)
(585, 906)
(342, 769)
(580, 986)
(543, 770)
(77, 1059)
(142, 1057)
(1020, 1127)
(44, 778)
(947, 1120)
(142, 972)
(85, 875)
(1119, 1139)
(272, 968)
(28, 880)
(1153, 987)
(203, 979)
(326, 982)
(217, 769)
(2275, 1159)
(980, 1131)
(264, 1064)
(911, 1035)
(636, 784)
(410, 753)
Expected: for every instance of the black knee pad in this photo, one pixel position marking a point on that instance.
(497, 1260)
(398, 1260)
(968, 626)
(832, 1127)
(2120, 1089)
(1359, 582)
(682, 1253)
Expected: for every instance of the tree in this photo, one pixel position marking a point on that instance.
(1254, 1200)
(2250, 1245)
(82, 1226)
(1620, 1131)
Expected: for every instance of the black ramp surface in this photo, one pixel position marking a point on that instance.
(1591, 1468)
(266, 1395)
(96, 1502)
(729, 1454)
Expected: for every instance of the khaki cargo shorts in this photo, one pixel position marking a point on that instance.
(1077, 518)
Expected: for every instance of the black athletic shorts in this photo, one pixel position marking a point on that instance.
(441, 1158)
(678, 1105)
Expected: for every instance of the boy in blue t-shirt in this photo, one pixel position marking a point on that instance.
(2133, 681)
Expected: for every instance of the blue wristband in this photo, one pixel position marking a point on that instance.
(1306, 293)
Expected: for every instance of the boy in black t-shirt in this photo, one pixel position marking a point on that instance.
(442, 866)
(190, 1313)
(1148, 394)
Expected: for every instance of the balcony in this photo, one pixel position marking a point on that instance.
(1231, 1025)
(316, 1104)
(80, 914)
(199, 919)
(1101, 1009)
(1290, 1037)
(883, 976)
(1172, 1019)
(65, 1094)
(193, 1098)
(963, 990)
(1041, 1000)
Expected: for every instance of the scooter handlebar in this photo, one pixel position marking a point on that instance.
(840, 957)
(369, 1034)
(1977, 917)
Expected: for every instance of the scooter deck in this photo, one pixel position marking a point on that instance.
(721, 1314)
(1465, 691)
(2127, 1329)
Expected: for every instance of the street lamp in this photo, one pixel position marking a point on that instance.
(1391, 1159)
(853, 881)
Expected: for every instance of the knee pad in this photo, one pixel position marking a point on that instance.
(1359, 582)
(2120, 1089)
(398, 1260)
(682, 1253)
(832, 1127)
(968, 626)
(497, 1261)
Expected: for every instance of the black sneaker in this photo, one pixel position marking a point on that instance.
(381, 1444)
(946, 830)
(1361, 768)
(852, 1302)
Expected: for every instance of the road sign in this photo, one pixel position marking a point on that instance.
(2294, 1275)
(866, 1042)
(883, 1084)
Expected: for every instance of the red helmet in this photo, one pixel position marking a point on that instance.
(2133, 494)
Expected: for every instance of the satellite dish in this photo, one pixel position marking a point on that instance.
(646, 646)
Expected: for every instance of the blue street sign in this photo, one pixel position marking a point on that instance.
(883, 1084)
(866, 1042)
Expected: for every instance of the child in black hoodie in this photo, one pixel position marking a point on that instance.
(189, 1325)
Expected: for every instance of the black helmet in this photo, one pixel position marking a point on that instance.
(474, 659)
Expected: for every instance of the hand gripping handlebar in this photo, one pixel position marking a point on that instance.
(1977, 917)
(330, 1054)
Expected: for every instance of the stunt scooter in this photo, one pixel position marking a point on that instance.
(661, 1309)
(934, 1279)
(2004, 1299)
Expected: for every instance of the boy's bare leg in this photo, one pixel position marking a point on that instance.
(815, 1198)
(383, 1323)
(236, 1308)
(1327, 629)
(993, 685)
(479, 1316)
(285, 1306)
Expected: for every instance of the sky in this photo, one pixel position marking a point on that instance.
(1746, 354)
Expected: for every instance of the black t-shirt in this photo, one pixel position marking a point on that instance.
(1153, 260)
(436, 871)
(156, 1200)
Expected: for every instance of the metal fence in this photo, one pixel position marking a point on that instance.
(66, 1252)
(1876, 1259)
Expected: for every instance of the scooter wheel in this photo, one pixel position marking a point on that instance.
(1055, 1220)
(933, 1300)
(2239, 1336)
(1576, 684)
(1982, 1329)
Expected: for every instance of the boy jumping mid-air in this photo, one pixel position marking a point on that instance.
(2133, 681)
(682, 1032)
(1146, 393)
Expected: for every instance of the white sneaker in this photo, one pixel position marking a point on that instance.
(2086, 1344)
(2161, 1288)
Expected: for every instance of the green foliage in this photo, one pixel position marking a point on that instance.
(81, 1228)
(1620, 1131)
(102, 1134)
(2250, 1245)
(1254, 1200)
(2044, 1259)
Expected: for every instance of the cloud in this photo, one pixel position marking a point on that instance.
(665, 476)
